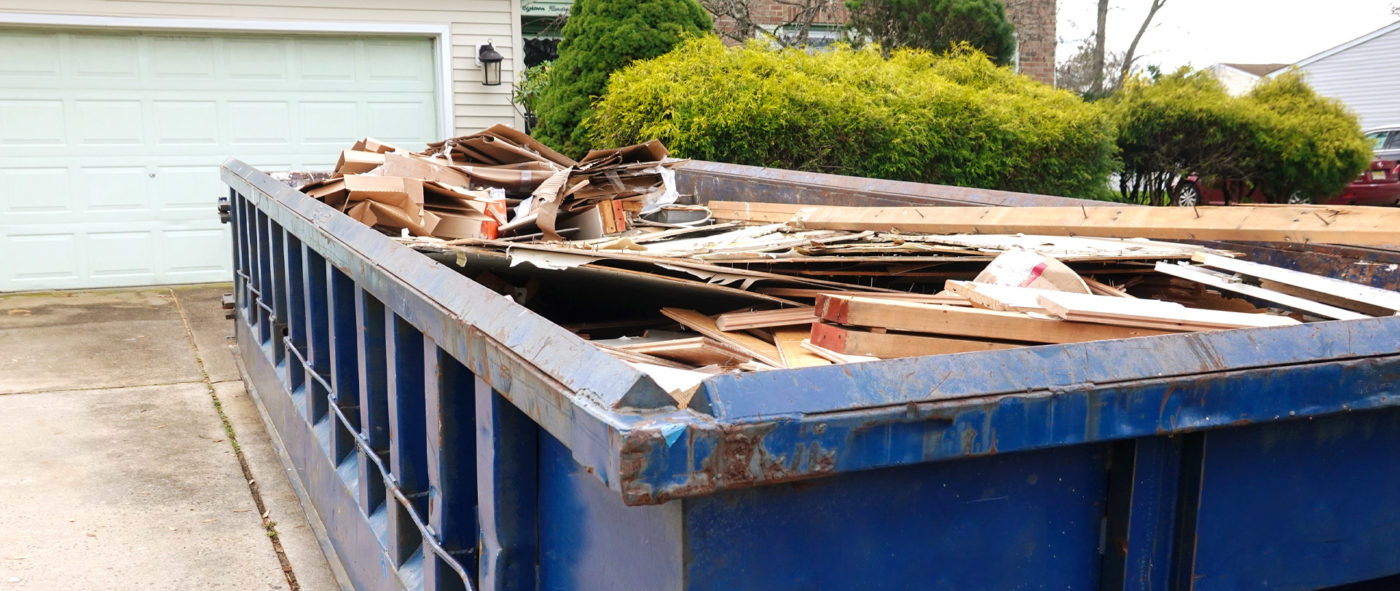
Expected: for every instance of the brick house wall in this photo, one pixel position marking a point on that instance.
(1034, 21)
(1035, 35)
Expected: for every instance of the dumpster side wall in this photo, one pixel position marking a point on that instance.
(1020, 521)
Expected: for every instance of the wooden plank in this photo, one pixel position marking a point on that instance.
(789, 340)
(1150, 313)
(765, 318)
(1225, 282)
(1345, 294)
(1370, 226)
(697, 351)
(758, 348)
(890, 345)
(969, 322)
(835, 357)
(942, 297)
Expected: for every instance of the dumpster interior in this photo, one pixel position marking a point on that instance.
(684, 287)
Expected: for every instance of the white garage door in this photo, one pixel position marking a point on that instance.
(110, 142)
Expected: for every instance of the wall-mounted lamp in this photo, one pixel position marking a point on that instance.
(490, 61)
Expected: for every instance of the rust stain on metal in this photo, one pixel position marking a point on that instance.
(739, 459)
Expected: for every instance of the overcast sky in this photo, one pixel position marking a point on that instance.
(1204, 32)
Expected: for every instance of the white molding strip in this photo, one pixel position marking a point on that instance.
(440, 33)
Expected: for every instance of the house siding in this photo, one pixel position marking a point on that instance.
(471, 22)
(1363, 77)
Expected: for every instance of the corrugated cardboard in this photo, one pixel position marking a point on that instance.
(370, 144)
(422, 168)
(453, 226)
(356, 161)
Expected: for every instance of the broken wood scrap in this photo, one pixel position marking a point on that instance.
(888, 345)
(695, 351)
(1231, 283)
(967, 322)
(1155, 314)
(1100, 288)
(1363, 226)
(835, 357)
(746, 319)
(757, 348)
(789, 341)
(1336, 292)
(999, 297)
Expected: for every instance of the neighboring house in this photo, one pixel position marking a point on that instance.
(115, 116)
(1241, 78)
(1035, 37)
(1362, 73)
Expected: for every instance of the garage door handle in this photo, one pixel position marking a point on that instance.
(223, 209)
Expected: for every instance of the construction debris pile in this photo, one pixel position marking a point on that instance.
(494, 183)
(608, 248)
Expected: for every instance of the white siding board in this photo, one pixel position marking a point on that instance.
(1363, 77)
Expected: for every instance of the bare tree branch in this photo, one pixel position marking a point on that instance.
(1129, 56)
(1098, 56)
(794, 31)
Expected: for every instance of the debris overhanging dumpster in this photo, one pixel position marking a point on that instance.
(656, 374)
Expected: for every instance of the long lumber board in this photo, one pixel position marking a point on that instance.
(1151, 313)
(765, 318)
(1345, 294)
(1229, 283)
(758, 348)
(967, 322)
(890, 345)
(1367, 226)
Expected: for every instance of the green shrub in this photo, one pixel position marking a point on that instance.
(952, 119)
(602, 36)
(936, 25)
(1282, 138)
(1310, 145)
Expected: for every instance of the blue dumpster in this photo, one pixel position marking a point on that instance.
(450, 439)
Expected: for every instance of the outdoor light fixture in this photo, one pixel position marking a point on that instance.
(490, 61)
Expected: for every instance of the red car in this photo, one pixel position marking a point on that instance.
(1379, 184)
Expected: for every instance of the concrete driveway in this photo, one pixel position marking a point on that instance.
(130, 455)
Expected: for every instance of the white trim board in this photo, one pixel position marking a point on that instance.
(440, 33)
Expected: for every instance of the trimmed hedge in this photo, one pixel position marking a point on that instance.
(1281, 138)
(952, 119)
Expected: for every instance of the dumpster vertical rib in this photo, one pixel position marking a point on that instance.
(507, 445)
(450, 415)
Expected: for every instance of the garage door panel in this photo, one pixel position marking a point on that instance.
(122, 255)
(323, 122)
(36, 259)
(398, 62)
(197, 255)
(105, 57)
(259, 122)
(185, 122)
(113, 189)
(324, 60)
(108, 122)
(110, 141)
(398, 121)
(188, 187)
(31, 191)
(32, 122)
(29, 54)
(183, 58)
(248, 59)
